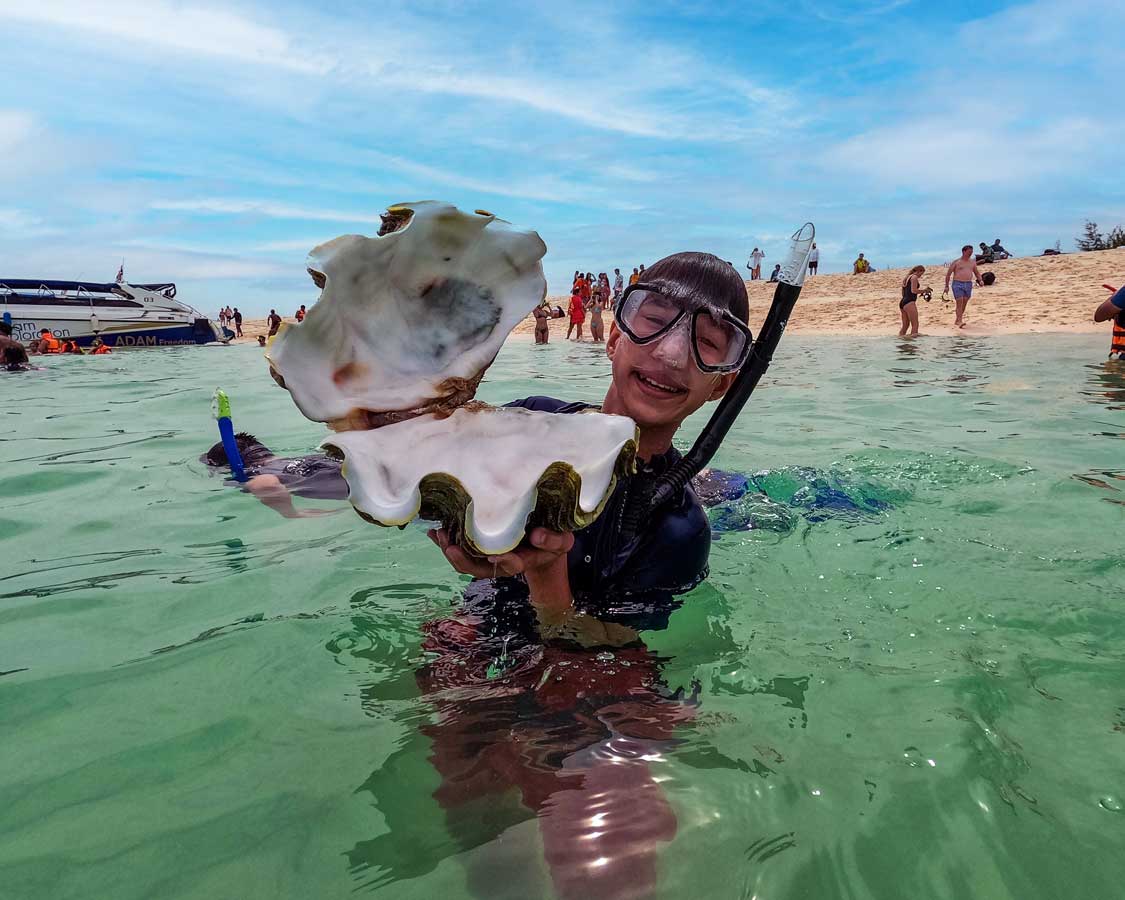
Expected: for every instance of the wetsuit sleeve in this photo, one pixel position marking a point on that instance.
(547, 404)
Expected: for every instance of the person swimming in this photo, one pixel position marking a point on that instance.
(275, 480)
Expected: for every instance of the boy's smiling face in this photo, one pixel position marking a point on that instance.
(658, 385)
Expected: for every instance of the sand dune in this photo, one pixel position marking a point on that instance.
(1031, 294)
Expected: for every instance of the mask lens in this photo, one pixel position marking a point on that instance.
(719, 343)
(647, 313)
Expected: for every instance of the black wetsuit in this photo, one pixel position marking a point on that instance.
(633, 581)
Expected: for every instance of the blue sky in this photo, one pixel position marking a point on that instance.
(214, 144)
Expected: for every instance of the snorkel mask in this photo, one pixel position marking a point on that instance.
(755, 360)
(719, 340)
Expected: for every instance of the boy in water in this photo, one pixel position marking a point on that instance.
(677, 342)
(964, 272)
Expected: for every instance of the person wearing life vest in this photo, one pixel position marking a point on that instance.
(1114, 308)
(861, 266)
(48, 343)
(71, 347)
(98, 348)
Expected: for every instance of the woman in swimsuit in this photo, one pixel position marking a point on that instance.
(542, 331)
(595, 306)
(908, 305)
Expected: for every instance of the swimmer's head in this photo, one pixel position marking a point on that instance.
(253, 451)
(700, 281)
(6, 329)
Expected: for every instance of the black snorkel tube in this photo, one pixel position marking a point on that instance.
(790, 281)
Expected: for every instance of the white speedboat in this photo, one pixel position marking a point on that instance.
(121, 314)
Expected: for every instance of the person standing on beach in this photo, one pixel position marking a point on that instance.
(577, 312)
(274, 322)
(908, 305)
(814, 258)
(301, 313)
(237, 323)
(635, 277)
(1114, 308)
(964, 272)
(618, 285)
(542, 328)
(755, 264)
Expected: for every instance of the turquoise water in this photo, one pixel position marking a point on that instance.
(903, 678)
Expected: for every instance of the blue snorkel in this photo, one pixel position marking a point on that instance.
(220, 409)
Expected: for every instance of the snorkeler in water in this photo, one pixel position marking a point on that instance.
(13, 355)
(274, 480)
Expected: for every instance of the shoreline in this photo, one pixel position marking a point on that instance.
(1032, 295)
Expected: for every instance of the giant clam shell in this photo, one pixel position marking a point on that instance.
(408, 321)
(406, 324)
(488, 473)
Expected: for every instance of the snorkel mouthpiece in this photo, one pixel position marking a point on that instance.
(790, 280)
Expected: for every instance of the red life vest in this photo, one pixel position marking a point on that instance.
(101, 348)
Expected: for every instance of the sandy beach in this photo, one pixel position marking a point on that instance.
(1031, 294)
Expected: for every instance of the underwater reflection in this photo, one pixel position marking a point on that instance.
(1107, 383)
(560, 718)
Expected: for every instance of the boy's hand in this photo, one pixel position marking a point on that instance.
(546, 549)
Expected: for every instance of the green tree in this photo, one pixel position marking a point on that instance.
(1115, 238)
(1091, 238)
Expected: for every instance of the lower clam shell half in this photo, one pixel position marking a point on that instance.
(487, 473)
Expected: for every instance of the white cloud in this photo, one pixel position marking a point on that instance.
(960, 149)
(16, 223)
(268, 208)
(16, 127)
(196, 30)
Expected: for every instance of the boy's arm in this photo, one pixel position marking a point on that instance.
(1109, 309)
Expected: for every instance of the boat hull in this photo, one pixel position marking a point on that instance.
(121, 333)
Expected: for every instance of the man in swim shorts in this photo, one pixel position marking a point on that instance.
(964, 272)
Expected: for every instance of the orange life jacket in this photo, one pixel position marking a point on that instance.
(48, 343)
(1117, 342)
(102, 348)
(300, 316)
